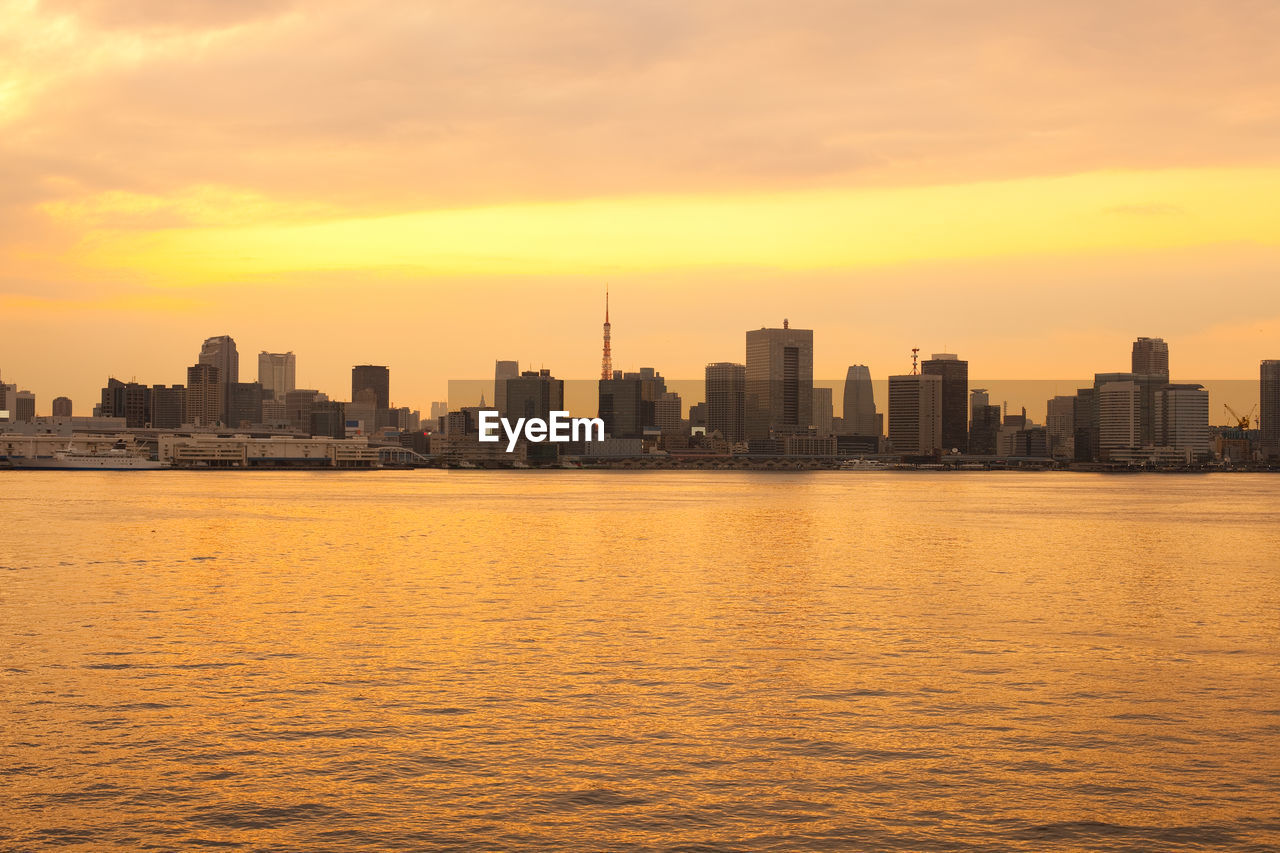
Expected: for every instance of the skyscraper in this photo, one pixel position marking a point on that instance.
(1119, 416)
(726, 397)
(61, 407)
(984, 424)
(1151, 357)
(24, 407)
(859, 402)
(1060, 426)
(915, 414)
(205, 400)
(823, 411)
(534, 394)
(375, 377)
(955, 398)
(502, 371)
(1269, 408)
(220, 352)
(779, 381)
(1182, 419)
(627, 402)
(128, 400)
(277, 373)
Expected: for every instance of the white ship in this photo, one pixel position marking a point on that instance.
(117, 458)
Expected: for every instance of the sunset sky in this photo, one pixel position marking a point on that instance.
(434, 185)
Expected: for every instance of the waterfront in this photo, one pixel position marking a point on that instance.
(640, 660)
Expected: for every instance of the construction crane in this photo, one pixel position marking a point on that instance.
(1242, 421)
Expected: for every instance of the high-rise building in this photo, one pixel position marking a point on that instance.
(955, 398)
(915, 414)
(1084, 417)
(534, 394)
(1182, 419)
(779, 381)
(984, 424)
(859, 402)
(726, 388)
(1119, 416)
(1060, 426)
(376, 378)
(297, 407)
(61, 407)
(168, 406)
(627, 402)
(245, 406)
(668, 412)
(220, 352)
(502, 371)
(277, 373)
(24, 407)
(1269, 408)
(328, 418)
(823, 411)
(128, 400)
(1151, 357)
(206, 402)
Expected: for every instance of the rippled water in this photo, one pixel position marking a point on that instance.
(633, 661)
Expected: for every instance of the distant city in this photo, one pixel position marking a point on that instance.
(763, 411)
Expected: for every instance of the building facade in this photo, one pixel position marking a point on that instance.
(534, 394)
(915, 414)
(726, 388)
(779, 381)
(205, 399)
(277, 373)
(1151, 357)
(859, 412)
(1269, 408)
(502, 371)
(61, 407)
(955, 398)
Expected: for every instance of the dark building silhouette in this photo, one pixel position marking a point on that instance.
(627, 402)
(1151, 357)
(534, 394)
(168, 406)
(502, 371)
(374, 377)
(205, 403)
(726, 388)
(61, 407)
(220, 352)
(955, 398)
(297, 407)
(128, 400)
(779, 381)
(984, 430)
(245, 406)
(328, 418)
(1084, 414)
(1269, 408)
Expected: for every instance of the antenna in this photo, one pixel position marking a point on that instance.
(915, 360)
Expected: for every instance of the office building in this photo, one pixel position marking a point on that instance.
(128, 400)
(374, 377)
(61, 407)
(1060, 426)
(205, 403)
(168, 406)
(502, 371)
(1182, 420)
(955, 398)
(1119, 416)
(1151, 357)
(328, 419)
(627, 402)
(245, 404)
(1269, 408)
(667, 413)
(277, 374)
(726, 388)
(823, 412)
(220, 352)
(779, 381)
(23, 407)
(859, 414)
(915, 414)
(984, 424)
(297, 406)
(534, 394)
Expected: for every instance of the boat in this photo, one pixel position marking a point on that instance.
(118, 458)
(864, 465)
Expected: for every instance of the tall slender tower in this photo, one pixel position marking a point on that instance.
(606, 359)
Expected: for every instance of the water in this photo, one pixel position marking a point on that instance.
(639, 660)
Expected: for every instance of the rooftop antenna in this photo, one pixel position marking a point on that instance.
(606, 356)
(786, 324)
(915, 360)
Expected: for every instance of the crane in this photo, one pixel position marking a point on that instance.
(1242, 421)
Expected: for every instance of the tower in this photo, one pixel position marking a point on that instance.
(606, 357)
(779, 381)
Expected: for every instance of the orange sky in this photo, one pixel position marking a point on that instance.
(434, 186)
